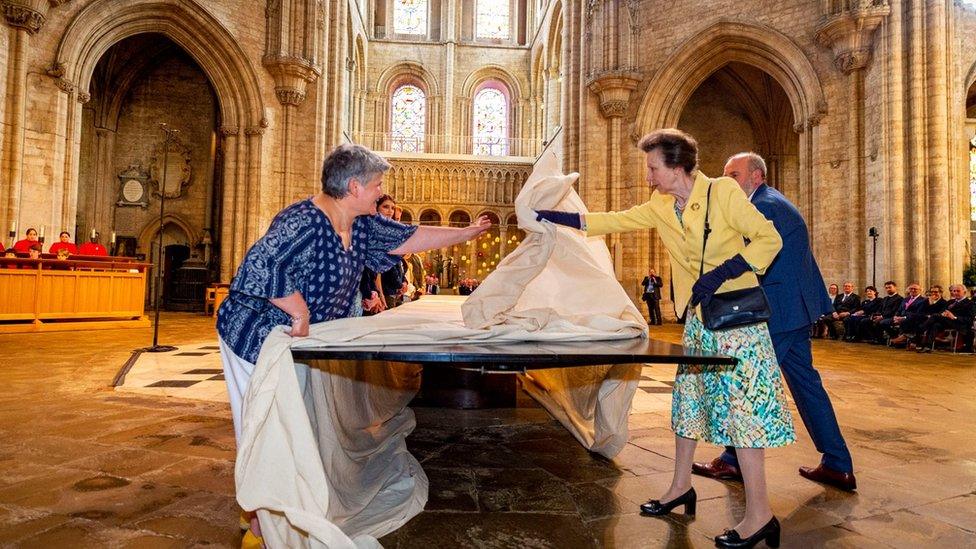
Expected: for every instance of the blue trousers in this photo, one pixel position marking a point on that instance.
(796, 362)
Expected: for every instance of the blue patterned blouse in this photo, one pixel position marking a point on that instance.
(302, 252)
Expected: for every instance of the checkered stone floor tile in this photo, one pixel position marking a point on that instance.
(191, 371)
(654, 389)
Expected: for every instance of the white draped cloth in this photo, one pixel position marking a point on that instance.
(322, 456)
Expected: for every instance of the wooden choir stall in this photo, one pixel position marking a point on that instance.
(83, 292)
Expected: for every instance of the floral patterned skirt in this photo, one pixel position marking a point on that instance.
(741, 406)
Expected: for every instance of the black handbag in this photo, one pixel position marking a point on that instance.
(735, 308)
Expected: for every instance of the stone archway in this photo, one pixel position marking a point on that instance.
(762, 47)
(755, 115)
(98, 26)
(723, 43)
(176, 233)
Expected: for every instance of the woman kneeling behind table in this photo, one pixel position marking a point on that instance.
(742, 406)
(307, 266)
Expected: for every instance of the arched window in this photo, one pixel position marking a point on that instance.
(492, 19)
(410, 16)
(409, 108)
(490, 123)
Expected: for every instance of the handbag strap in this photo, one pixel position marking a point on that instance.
(708, 229)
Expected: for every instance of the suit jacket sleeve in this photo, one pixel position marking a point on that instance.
(965, 312)
(764, 241)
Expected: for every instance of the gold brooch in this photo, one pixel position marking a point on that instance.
(695, 206)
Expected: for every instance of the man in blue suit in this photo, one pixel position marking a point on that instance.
(795, 289)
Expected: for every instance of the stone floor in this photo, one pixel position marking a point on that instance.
(84, 466)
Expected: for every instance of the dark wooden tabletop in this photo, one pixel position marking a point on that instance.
(527, 355)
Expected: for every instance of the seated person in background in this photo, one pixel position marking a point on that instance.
(64, 243)
(92, 247)
(844, 304)
(868, 328)
(23, 246)
(914, 320)
(820, 328)
(870, 305)
(432, 285)
(958, 315)
(34, 251)
(912, 304)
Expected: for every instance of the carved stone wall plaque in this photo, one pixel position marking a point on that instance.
(133, 187)
(177, 167)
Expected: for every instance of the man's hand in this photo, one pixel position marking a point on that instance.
(949, 315)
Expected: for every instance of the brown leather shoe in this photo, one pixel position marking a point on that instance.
(900, 340)
(718, 469)
(826, 475)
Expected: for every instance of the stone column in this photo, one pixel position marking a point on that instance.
(940, 245)
(895, 241)
(229, 219)
(449, 131)
(104, 178)
(850, 34)
(916, 199)
(613, 89)
(26, 18)
(72, 150)
(256, 215)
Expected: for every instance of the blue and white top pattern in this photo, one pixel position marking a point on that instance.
(302, 252)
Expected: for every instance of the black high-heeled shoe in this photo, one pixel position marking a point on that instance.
(655, 508)
(769, 533)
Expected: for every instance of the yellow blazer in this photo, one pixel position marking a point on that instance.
(732, 217)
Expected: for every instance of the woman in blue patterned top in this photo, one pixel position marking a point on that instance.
(307, 267)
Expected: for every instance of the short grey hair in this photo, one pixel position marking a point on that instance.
(346, 162)
(756, 162)
(951, 286)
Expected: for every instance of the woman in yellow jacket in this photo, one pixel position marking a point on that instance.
(742, 406)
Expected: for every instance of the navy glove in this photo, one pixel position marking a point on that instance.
(710, 282)
(569, 219)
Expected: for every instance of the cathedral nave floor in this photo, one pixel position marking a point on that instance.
(84, 465)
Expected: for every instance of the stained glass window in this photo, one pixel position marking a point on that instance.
(490, 123)
(410, 16)
(493, 19)
(409, 116)
(972, 179)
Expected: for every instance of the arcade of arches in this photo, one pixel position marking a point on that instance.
(865, 111)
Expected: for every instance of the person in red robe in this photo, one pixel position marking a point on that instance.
(92, 247)
(64, 243)
(23, 246)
